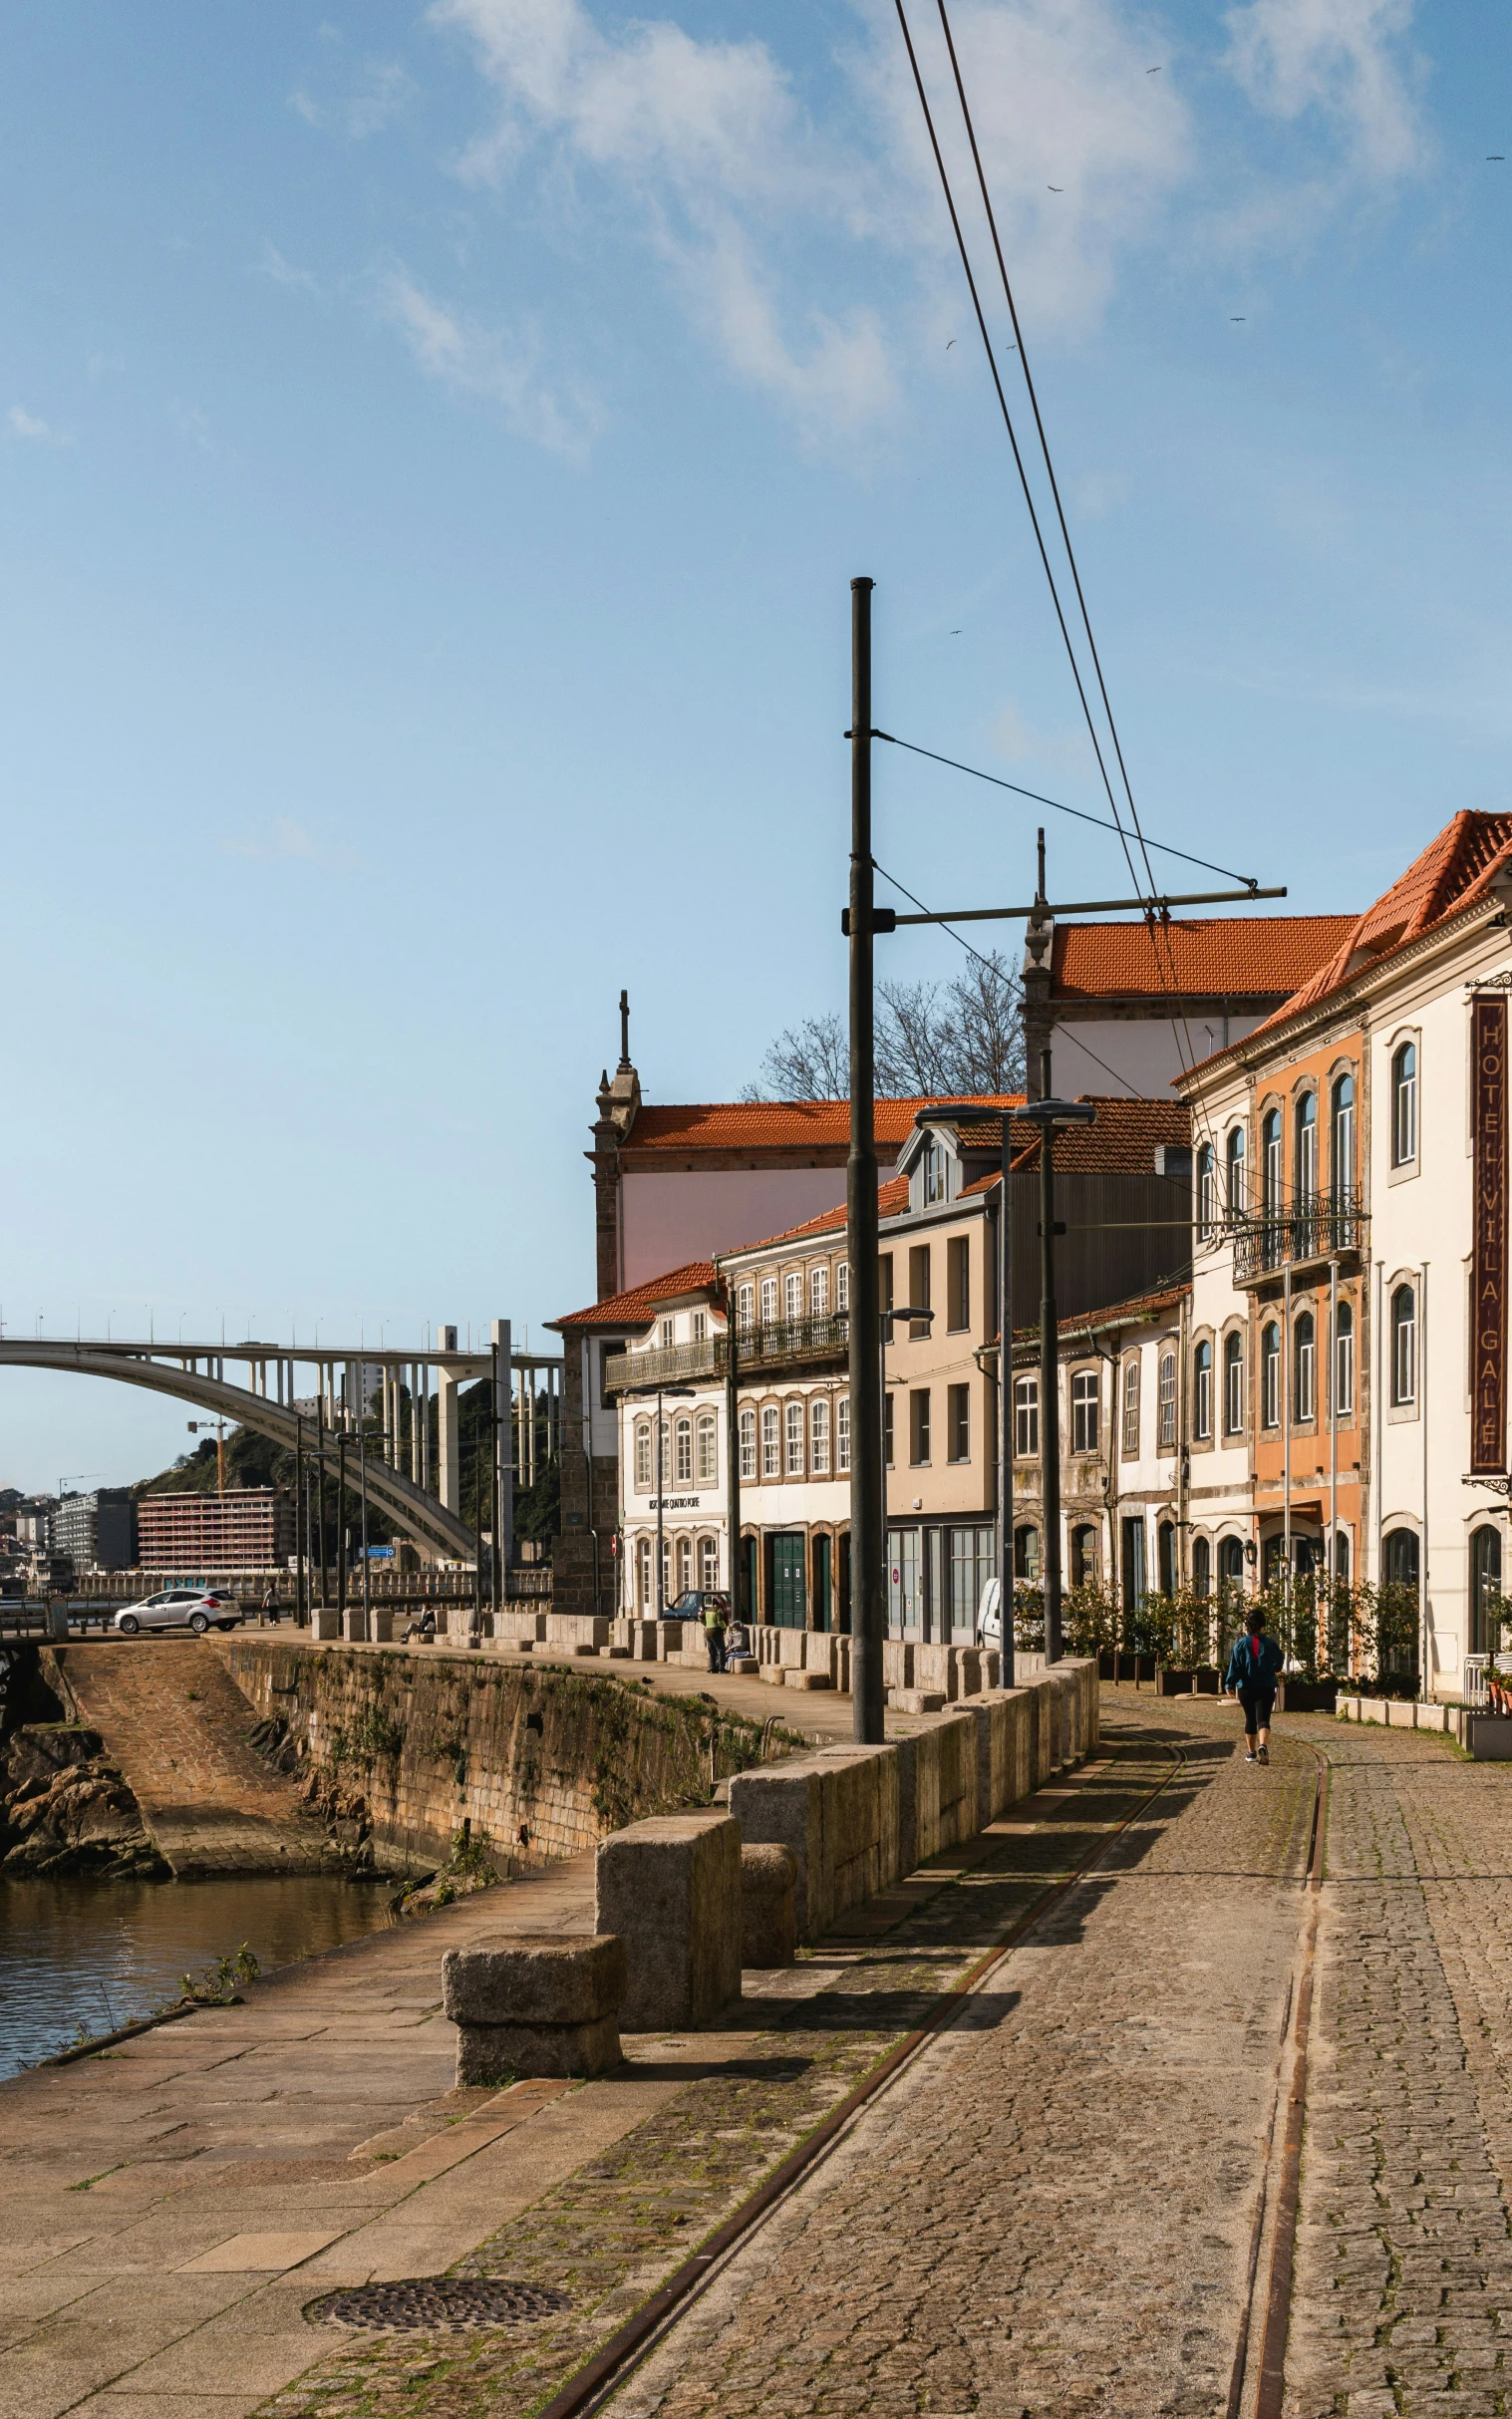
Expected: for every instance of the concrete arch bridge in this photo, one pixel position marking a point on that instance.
(422, 1499)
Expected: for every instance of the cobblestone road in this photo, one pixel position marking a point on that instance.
(1057, 2209)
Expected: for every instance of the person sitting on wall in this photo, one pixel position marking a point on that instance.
(714, 1632)
(423, 1629)
(736, 1643)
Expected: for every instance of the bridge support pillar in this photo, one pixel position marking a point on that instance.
(448, 1455)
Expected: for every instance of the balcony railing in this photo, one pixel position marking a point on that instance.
(1324, 1228)
(786, 1343)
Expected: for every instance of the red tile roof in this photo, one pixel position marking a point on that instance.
(1121, 1138)
(1452, 873)
(777, 1124)
(638, 1305)
(1205, 957)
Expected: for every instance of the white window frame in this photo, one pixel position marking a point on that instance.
(744, 1306)
(709, 1563)
(793, 1424)
(1403, 1348)
(1404, 1096)
(1344, 1363)
(843, 1286)
(748, 1442)
(1165, 1398)
(769, 1302)
(1235, 1152)
(818, 1436)
(1129, 1416)
(1207, 1192)
(842, 1433)
(771, 1441)
(682, 1450)
(1233, 1384)
(1305, 1185)
(1026, 1419)
(818, 1290)
(1305, 1368)
(1202, 1392)
(708, 1448)
(1270, 1375)
(666, 1333)
(1086, 1411)
(644, 1475)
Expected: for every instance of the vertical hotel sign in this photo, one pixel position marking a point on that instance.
(1488, 1053)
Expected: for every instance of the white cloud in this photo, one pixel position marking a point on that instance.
(1059, 97)
(707, 141)
(383, 95)
(285, 838)
(35, 432)
(283, 272)
(192, 423)
(304, 106)
(502, 369)
(1345, 59)
(1016, 741)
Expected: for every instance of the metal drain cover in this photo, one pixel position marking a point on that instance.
(426, 2305)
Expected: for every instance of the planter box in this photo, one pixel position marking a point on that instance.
(1206, 1680)
(1125, 1666)
(1489, 1737)
(1171, 1682)
(1308, 1696)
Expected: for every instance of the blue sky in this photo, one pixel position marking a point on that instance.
(434, 445)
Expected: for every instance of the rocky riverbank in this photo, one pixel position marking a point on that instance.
(65, 1808)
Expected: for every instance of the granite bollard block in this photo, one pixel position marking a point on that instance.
(768, 1926)
(670, 1887)
(534, 2003)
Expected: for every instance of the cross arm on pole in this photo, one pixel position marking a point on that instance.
(888, 920)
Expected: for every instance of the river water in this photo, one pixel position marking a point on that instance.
(98, 1954)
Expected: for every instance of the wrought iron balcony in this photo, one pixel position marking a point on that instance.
(1328, 1227)
(785, 1344)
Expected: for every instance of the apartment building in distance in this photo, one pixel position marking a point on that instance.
(245, 1529)
(97, 1531)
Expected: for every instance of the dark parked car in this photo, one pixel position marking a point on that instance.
(693, 1603)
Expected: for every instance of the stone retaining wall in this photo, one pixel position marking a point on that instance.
(539, 1763)
(857, 1819)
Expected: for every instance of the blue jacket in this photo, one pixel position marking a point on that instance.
(1260, 1670)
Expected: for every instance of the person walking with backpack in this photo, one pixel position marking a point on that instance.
(1254, 1670)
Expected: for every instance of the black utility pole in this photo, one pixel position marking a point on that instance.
(320, 1497)
(866, 1499)
(738, 1611)
(301, 1525)
(1049, 1384)
(1047, 1113)
(341, 1528)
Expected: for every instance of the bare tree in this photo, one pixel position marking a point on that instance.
(964, 1036)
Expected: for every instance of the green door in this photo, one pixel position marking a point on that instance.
(821, 1616)
(786, 1596)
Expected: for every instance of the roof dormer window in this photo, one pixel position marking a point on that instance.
(936, 1173)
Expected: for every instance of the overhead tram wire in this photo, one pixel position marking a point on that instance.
(1008, 422)
(1167, 970)
(1100, 822)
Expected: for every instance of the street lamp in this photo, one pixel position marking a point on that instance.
(1050, 1115)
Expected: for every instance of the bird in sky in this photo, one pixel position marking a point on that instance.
(1235, 319)
(955, 634)
(1155, 71)
(1055, 188)
(1496, 155)
(952, 341)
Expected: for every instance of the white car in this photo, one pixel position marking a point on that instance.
(179, 1609)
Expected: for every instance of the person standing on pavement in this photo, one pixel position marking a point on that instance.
(714, 1632)
(1254, 1669)
(270, 1605)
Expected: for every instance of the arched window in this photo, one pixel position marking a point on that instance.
(1342, 1556)
(1087, 1392)
(1165, 1557)
(793, 1296)
(684, 1565)
(1207, 1192)
(1233, 1384)
(1231, 1569)
(1404, 1347)
(818, 1435)
(747, 1445)
(842, 1433)
(771, 1443)
(1234, 1153)
(681, 1457)
(1486, 1607)
(1404, 1105)
(1026, 1417)
(1342, 1143)
(1306, 1165)
(643, 1454)
(769, 1302)
(1344, 1363)
(709, 1563)
(1202, 1566)
(794, 1440)
(744, 1306)
(1202, 1392)
(1026, 1553)
(1083, 1542)
(843, 1286)
(1270, 1163)
(818, 1290)
(1270, 1375)
(1305, 1368)
(708, 1464)
(643, 1563)
(1397, 1623)
(1166, 1387)
(1131, 1405)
